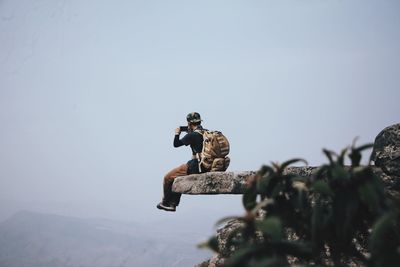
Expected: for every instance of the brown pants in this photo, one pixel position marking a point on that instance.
(172, 198)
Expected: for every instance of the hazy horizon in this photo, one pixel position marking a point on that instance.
(91, 92)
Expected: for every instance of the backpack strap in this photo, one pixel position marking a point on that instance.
(198, 155)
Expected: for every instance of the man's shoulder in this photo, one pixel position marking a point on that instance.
(190, 137)
(194, 137)
(200, 130)
(195, 134)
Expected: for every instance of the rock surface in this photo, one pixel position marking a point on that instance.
(212, 183)
(225, 251)
(386, 152)
(385, 155)
(225, 182)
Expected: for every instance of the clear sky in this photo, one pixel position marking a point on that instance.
(91, 92)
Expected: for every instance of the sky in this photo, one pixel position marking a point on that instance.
(91, 92)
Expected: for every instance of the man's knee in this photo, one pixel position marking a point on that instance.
(179, 171)
(182, 170)
(168, 178)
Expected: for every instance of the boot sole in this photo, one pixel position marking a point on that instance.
(162, 207)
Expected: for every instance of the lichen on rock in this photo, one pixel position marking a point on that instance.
(386, 152)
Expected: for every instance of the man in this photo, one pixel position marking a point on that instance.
(193, 139)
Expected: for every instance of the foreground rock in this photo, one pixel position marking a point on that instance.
(386, 153)
(212, 183)
(225, 250)
(385, 156)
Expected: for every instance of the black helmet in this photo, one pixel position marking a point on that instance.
(193, 117)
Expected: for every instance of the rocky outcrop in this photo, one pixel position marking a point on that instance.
(385, 156)
(212, 183)
(386, 152)
(225, 251)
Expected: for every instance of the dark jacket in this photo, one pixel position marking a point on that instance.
(195, 141)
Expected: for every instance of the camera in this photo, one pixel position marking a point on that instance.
(183, 128)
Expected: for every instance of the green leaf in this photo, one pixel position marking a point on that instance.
(295, 248)
(250, 197)
(329, 154)
(301, 202)
(369, 196)
(355, 158)
(265, 169)
(262, 183)
(268, 261)
(353, 145)
(271, 226)
(212, 244)
(380, 231)
(290, 176)
(300, 183)
(320, 171)
(264, 203)
(364, 147)
(273, 182)
(278, 189)
(340, 159)
(292, 161)
(339, 172)
(322, 188)
(240, 257)
(276, 166)
(345, 209)
(320, 218)
(355, 155)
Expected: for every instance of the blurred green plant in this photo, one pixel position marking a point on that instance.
(337, 217)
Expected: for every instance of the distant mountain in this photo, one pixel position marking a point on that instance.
(30, 239)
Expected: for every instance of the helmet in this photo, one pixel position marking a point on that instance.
(193, 117)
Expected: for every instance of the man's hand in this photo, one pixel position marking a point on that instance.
(178, 131)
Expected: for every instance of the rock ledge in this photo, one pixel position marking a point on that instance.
(212, 183)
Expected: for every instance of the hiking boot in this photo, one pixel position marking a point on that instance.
(163, 206)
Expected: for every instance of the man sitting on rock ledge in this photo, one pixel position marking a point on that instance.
(193, 138)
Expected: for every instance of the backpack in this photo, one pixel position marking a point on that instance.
(213, 156)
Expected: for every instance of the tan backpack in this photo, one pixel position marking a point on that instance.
(213, 157)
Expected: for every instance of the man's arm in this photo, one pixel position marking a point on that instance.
(177, 142)
(180, 142)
